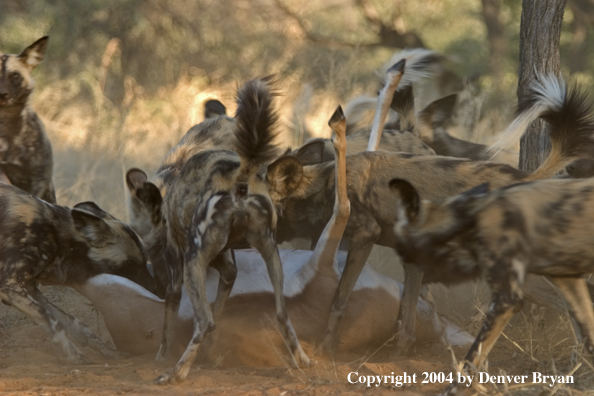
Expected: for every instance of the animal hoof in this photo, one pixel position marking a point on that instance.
(165, 379)
(302, 360)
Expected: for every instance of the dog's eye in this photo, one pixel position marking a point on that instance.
(15, 78)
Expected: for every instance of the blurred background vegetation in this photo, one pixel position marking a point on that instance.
(159, 42)
(124, 79)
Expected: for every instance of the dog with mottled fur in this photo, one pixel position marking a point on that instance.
(305, 210)
(25, 150)
(50, 244)
(218, 198)
(145, 195)
(542, 227)
(539, 227)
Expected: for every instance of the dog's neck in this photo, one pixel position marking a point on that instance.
(13, 118)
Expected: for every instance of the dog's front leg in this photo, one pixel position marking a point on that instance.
(505, 283)
(206, 239)
(74, 327)
(24, 302)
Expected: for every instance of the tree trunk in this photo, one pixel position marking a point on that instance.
(540, 31)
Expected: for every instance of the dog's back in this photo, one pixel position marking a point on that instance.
(211, 134)
(548, 223)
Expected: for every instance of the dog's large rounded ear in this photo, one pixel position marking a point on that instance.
(214, 108)
(284, 175)
(313, 152)
(407, 197)
(145, 199)
(135, 178)
(140, 188)
(93, 208)
(91, 227)
(150, 195)
(440, 112)
(34, 54)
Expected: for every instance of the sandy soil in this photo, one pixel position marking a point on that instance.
(31, 365)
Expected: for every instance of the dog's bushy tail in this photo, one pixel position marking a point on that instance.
(569, 113)
(256, 121)
(420, 63)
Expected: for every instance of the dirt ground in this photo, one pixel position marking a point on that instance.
(31, 365)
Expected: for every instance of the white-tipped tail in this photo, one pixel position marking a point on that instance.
(420, 63)
(547, 94)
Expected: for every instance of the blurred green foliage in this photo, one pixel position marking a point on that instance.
(161, 40)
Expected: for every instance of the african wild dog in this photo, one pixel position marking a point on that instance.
(51, 244)
(541, 227)
(145, 196)
(312, 278)
(218, 198)
(25, 150)
(305, 210)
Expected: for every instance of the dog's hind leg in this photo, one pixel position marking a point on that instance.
(262, 238)
(74, 327)
(407, 315)
(172, 301)
(505, 282)
(24, 302)
(224, 263)
(576, 292)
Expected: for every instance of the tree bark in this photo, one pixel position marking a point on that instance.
(540, 32)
